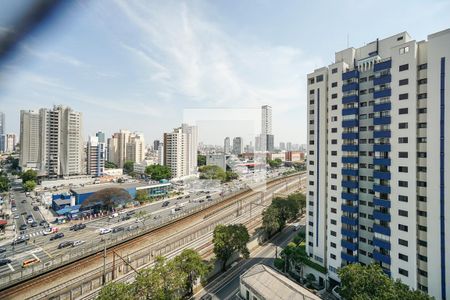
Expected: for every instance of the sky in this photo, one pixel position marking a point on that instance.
(140, 65)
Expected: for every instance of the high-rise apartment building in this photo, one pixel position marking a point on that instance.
(265, 142)
(2, 123)
(156, 145)
(180, 151)
(282, 146)
(51, 141)
(288, 146)
(95, 158)
(10, 142)
(238, 145)
(377, 160)
(101, 136)
(227, 145)
(30, 136)
(126, 146)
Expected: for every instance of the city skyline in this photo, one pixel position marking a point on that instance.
(148, 73)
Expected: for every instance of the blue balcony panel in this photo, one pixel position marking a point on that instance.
(382, 121)
(382, 93)
(382, 107)
(350, 123)
(349, 196)
(382, 66)
(349, 221)
(382, 147)
(350, 99)
(349, 184)
(382, 79)
(349, 208)
(382, 188)
(382, 161)
(350, 135)
(382, 244)
(350, 233)
(353, 86)
(349, 245)
(378, 215)
(350, 111)
(382, 134)
(353, 148)
(382, 175)
(350, 74)
(349, 258)
(386, 271)
(382, 202)
(381, 229)
(381, 257)
(350, 172)
(350, 159)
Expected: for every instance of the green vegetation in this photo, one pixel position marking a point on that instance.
(370, 282)
(230, 239)
(29, 185)
(201, 160)
(216, 173)
(29, 175)
(14, 163)
(128, 167)
(299, 166)
(4, 183)
(230, 175)
(168, 279)
(142, 196)
(158, 172)
(110, 165)
(275, 163)
(282, 210)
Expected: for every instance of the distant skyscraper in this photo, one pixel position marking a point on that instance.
(2, 123)
(266, 141)
(161, 154)
(126, 146)
(238, 145)
(101, 136)
(96, 153)
(282, 146)
(227, 145)
(156, 145)
(288, 146)
(192, 145)
(10, 142)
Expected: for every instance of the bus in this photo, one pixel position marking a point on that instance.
(29, 262)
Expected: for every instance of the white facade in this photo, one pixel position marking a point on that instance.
(180, 151)
(126, 146)
(2, 123)
(376, 167)
(219, 160)
(227, 145)
(238, 145)
(29, 139)
(96, 156)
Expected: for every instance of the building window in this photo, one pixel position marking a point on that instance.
(422, 67)
(334, 96)
(333, 233)
(402, 140)
(334, 70)
(402, 198)
(333, 245)
(403, 257)
(311, 92)
(422, 96)
(403, 154)
(403, 242)
(402, 227)
(403, 111)
(422, 272)
(334, 141)
(403, 81)
(334, 107)
(403, 169)
(402, 213)
(403, 272)
(402, 183)
(334, 84)
(403, 125)
(422, 110)
(403, 96)
(403, 67)
(422, 81)
(319, 78)
(333, 130)
(332, 256)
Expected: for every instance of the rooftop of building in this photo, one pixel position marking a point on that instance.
(129, 185)
(271, 284)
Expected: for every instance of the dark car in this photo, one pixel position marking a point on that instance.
(43, 223)
(188, 196)
(57, 236)
(35, 208)
(30, 216)
(24, 213)
(117, 229)
(165, 203)
(2, 249)
(201, 200)
(65, 244)
(34, 224)
(130, 213)
(79, 227)
(23, 227)
(5, 261)
(24, 201)
(124, 218)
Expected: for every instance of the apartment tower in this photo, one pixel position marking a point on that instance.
(376, 161)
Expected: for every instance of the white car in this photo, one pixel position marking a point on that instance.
(114, 215)
(30, 220)
(78, 243)
(105, 230)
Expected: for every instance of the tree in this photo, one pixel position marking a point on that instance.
(140, 216)
(296, 254)
(110, 165)
(300, 200)
(116, 291)
(201, 160)
(142, 196)
(212, 172)
(275, 163)
(4, 184)
(128, 166)
(310, 279)
(29, 175)
(270, 220)
(230, 175)
(370, 282)
(29, 185)
(190, 262)
(158, 172)
(229, 239)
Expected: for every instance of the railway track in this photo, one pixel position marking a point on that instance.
(150, 238)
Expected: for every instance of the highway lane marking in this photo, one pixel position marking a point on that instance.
(35, 256)
(46, 252)
(11, 268)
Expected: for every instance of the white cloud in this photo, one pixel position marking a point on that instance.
(53, 56)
